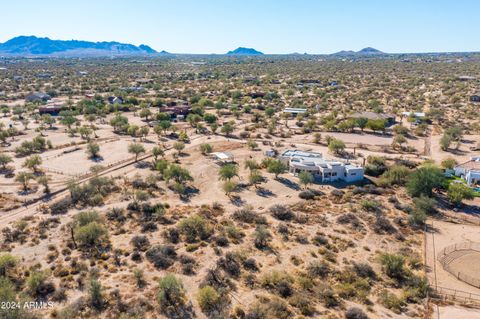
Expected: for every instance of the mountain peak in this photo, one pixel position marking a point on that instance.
(244, 51)
(32, 45)
(369, 50)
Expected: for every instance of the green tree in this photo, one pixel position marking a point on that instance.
(43, 180)
(137, 149)
(229, 187)
(157, 151)
(24, 178)
(179, 147)
(228, 128)
(361, 123)
(424, 180)
(4, 160)
(93, 149)
(33, 162)
(276, 167)
(255, 177)
(336, 146)
(228, 171)
(305, 178)
(206, 148)
(457, 192)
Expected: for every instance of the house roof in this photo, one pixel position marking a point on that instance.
(473, 165)
(294, 110)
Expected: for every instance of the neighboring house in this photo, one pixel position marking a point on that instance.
(294, 111)
(52, 109)
(176, 111)
(37, 97)
(388, 118)
(475, 98)
(255, 95)
(416, 115)
(44, 75)
(469, 171)
(323, 170)
(115, 100)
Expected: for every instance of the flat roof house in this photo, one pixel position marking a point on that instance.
(323, 170)
(475, 98)
(469, 171)
(37, 97)
(294, 110)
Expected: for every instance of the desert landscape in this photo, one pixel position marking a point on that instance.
(178, 199)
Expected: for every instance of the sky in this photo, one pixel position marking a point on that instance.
(270, 26)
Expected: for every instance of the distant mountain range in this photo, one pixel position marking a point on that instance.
(244, 51)
(364, 51)
(31, 45)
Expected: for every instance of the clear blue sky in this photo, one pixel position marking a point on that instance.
(271, 26)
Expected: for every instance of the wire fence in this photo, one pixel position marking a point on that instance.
(454, 295)
(451, 253)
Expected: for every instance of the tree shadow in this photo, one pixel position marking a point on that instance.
(237, 200)
(263, 192)
(289, 183)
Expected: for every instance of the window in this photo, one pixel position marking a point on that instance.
(334, 174)
(353, 174)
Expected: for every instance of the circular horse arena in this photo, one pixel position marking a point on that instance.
(462, 260)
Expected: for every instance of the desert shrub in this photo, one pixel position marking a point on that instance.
(382, 225)
(140, 242)
(269, 308)
(320, 240)
(221, 241)
(195, 228)
(370, 205)
(209, 299)
(416, 290)
(61, 206)
(250, 264)
(86, 217)
(303, 303)
(281, 212)
(327, 296)
(318, 269)
(91, 235)
(310, 194)
(149, 227)
(161, 256)
(261, 237)
(245, 215)
(171, 295)
(230, 264)
(393, 265)
(116, 214)
(395, 175)
(355, 313)
(350, 218)
(7, 262)
(38, 285)
(188, 265)
(364, 270)
(172, 235)
(95, 292)
(391, 301)
(425, 204)
(279, 282)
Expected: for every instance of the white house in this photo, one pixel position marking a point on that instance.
(469, 171)
(294, 110)
(323, 170)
